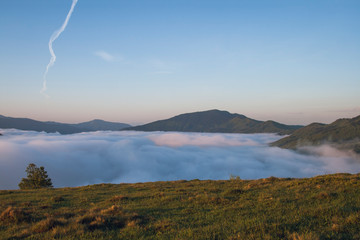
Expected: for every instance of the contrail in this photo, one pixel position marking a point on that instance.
(53, 37)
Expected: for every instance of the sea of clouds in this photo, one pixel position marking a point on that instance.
(128, 156)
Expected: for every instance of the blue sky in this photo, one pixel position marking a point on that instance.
(137, 61)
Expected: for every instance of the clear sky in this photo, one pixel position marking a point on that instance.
(137, 61)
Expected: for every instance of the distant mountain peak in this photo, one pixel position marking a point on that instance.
(97, 120)
(215, 121)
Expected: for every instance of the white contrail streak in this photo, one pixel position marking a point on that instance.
(53, 37)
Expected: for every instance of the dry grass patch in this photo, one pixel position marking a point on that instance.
(70, 229)
(118, 198)
(47, 224)
(163, 225)
(113, 217)
(304, 236)
(14, 215)
(233, 192)
(57, 199)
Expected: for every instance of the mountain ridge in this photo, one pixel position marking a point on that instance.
(63, 128)
(343, 133)
(216, 121)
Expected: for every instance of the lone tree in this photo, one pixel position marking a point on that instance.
(36, 178)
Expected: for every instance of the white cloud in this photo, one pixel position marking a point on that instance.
(89, 158)
(105, 56)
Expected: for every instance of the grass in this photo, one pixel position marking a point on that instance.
(323, 207)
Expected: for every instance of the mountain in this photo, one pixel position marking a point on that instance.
(63, 128)
(101, 125)
(343, 133)
(29, 124)
(216, 121)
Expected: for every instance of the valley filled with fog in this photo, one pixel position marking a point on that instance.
(130, 156)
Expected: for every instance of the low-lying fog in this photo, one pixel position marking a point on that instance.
(115, 157)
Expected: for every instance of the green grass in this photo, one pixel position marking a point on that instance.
(324, 207)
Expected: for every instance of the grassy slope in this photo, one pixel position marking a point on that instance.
(343, 133)
(216, 121)
(324, 207)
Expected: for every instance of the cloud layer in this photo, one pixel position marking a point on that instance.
(89, 158)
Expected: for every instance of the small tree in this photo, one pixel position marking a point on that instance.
(233, 177)
(36, 178)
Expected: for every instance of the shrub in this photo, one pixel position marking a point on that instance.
(233, 177)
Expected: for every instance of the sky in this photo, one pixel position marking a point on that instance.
(137, 61)
(118, 157)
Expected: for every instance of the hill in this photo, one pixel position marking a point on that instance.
(33, 125)
(343, 133)
(101, 125)
(63, 128)
(216, 121)
(323, 207)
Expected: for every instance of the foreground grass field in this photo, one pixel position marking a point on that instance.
(323, 207)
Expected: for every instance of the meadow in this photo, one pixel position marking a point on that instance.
(321, 207)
